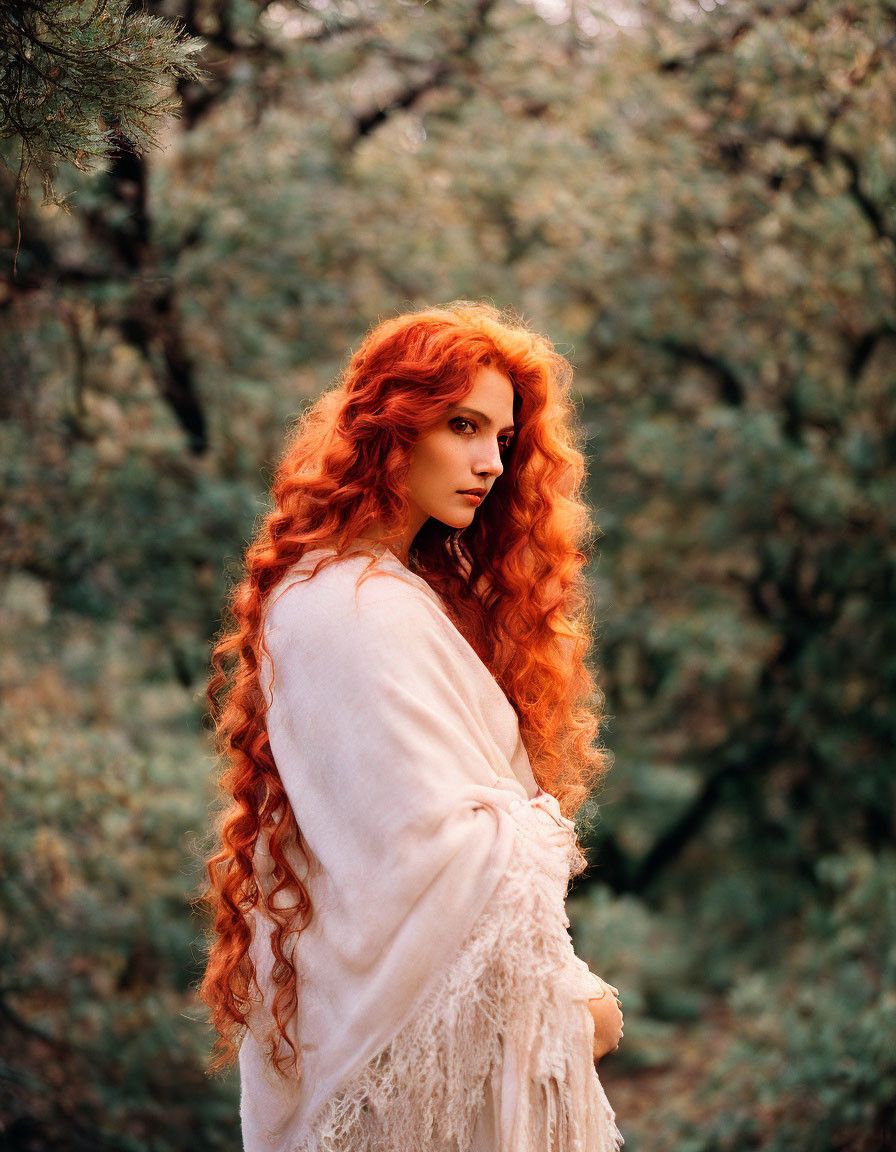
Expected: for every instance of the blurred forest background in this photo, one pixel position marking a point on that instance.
(697, 203)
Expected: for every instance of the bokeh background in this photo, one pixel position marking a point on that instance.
(697, 204)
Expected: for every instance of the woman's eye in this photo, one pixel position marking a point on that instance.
(504, 441)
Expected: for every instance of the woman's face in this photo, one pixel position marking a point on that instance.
(463, 451)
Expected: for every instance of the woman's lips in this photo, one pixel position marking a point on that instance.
(472, 497)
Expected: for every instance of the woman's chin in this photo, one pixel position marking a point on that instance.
(455, 520)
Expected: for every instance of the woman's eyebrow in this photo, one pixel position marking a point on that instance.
(485, 420)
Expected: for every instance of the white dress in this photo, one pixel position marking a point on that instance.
(493, 1052)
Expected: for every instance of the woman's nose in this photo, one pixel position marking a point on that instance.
(491, 463)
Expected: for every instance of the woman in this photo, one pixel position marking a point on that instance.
(403, 702)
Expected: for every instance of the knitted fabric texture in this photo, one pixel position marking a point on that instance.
(514, 997)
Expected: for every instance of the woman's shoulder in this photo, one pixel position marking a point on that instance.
(370, 587)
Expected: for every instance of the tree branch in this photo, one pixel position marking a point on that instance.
(405, 98)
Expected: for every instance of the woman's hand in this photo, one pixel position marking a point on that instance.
(606, 1012)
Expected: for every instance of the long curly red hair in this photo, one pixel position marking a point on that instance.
(512, 581)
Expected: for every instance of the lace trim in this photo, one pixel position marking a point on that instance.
(514, 991)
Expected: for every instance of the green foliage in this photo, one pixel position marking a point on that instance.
(798, 1053)
(810, 1064)
(104, 790)
(76, 75)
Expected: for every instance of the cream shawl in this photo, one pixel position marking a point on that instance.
(402, 760)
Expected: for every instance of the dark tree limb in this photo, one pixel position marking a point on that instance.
(367, 122)
(712, 45)
(152, 323)
(674, 839)
(154, 319)
(731, 391)
(863, 348)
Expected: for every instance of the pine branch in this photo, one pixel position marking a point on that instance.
(75, 74)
